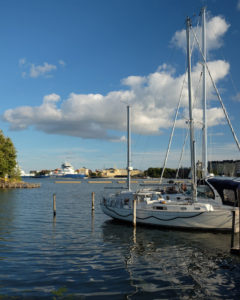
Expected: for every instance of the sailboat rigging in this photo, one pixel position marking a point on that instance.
(173, 206)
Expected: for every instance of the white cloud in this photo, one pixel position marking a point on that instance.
(62, 63)
(22, 61)
(216, 27)
(133, 81)
(52, 98)
(237, 97)
(153, 98)
(24, 74)
(36, 71)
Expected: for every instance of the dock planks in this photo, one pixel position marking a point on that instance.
(62, 181)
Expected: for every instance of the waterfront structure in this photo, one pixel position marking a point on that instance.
(114, 172)
(225, 167)
(83, 171)
(66, 170)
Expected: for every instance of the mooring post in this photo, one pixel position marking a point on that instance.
(237, 224)
(233, 229)
(134, 212)
(93, 199)
(235, 249)
(134, 235)
(238, 194)
(54, 205)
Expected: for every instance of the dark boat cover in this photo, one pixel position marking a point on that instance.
(226, 184)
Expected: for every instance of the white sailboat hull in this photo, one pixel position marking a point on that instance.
(206, 220)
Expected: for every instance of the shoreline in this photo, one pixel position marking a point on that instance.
(4, 184)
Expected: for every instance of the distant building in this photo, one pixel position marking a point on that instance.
(83, 170)
(112, 172)
(226, 167)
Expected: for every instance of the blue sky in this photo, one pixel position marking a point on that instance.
(68, 69)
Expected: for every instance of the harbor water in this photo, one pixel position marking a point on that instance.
(85, 255)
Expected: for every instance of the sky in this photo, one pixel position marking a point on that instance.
(69, 68)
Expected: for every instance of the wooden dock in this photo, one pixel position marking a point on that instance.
(96, 181)
(62, 181)
(103, 181)
(124, 181)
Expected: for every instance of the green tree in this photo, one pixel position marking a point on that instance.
(8, 156)
(156, 172)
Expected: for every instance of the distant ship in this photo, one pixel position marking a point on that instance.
(67, 171)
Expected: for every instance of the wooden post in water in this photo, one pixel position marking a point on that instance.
(233, 229)
(54, 205)
(238, 194)
(134, 212)
(235, 249)
(134, 235)
(93, 199)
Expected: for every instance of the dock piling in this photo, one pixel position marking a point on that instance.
(235, 245)
(54, 205)
(233, 229)
(134, 212)
(93, 200)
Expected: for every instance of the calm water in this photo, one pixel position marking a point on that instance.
(82, 256)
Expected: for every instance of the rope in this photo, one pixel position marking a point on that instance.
(181, 156)
(174, 123)
(173, 128)
(218, 95)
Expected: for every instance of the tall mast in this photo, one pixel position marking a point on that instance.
(129, 168)
(192, 141)
(204, 132)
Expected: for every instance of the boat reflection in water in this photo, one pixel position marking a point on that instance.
(173, 264)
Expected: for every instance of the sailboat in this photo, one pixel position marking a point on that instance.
(173, 206)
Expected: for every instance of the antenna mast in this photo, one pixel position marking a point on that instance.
(129, 168)
(192, 141)
(204, 129)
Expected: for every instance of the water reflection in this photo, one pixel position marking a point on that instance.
(8, 207)
(54, 221)
(92, 258)
(173, 263)
(92, 220)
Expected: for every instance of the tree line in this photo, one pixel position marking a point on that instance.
(8, 158)
(168, 173)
